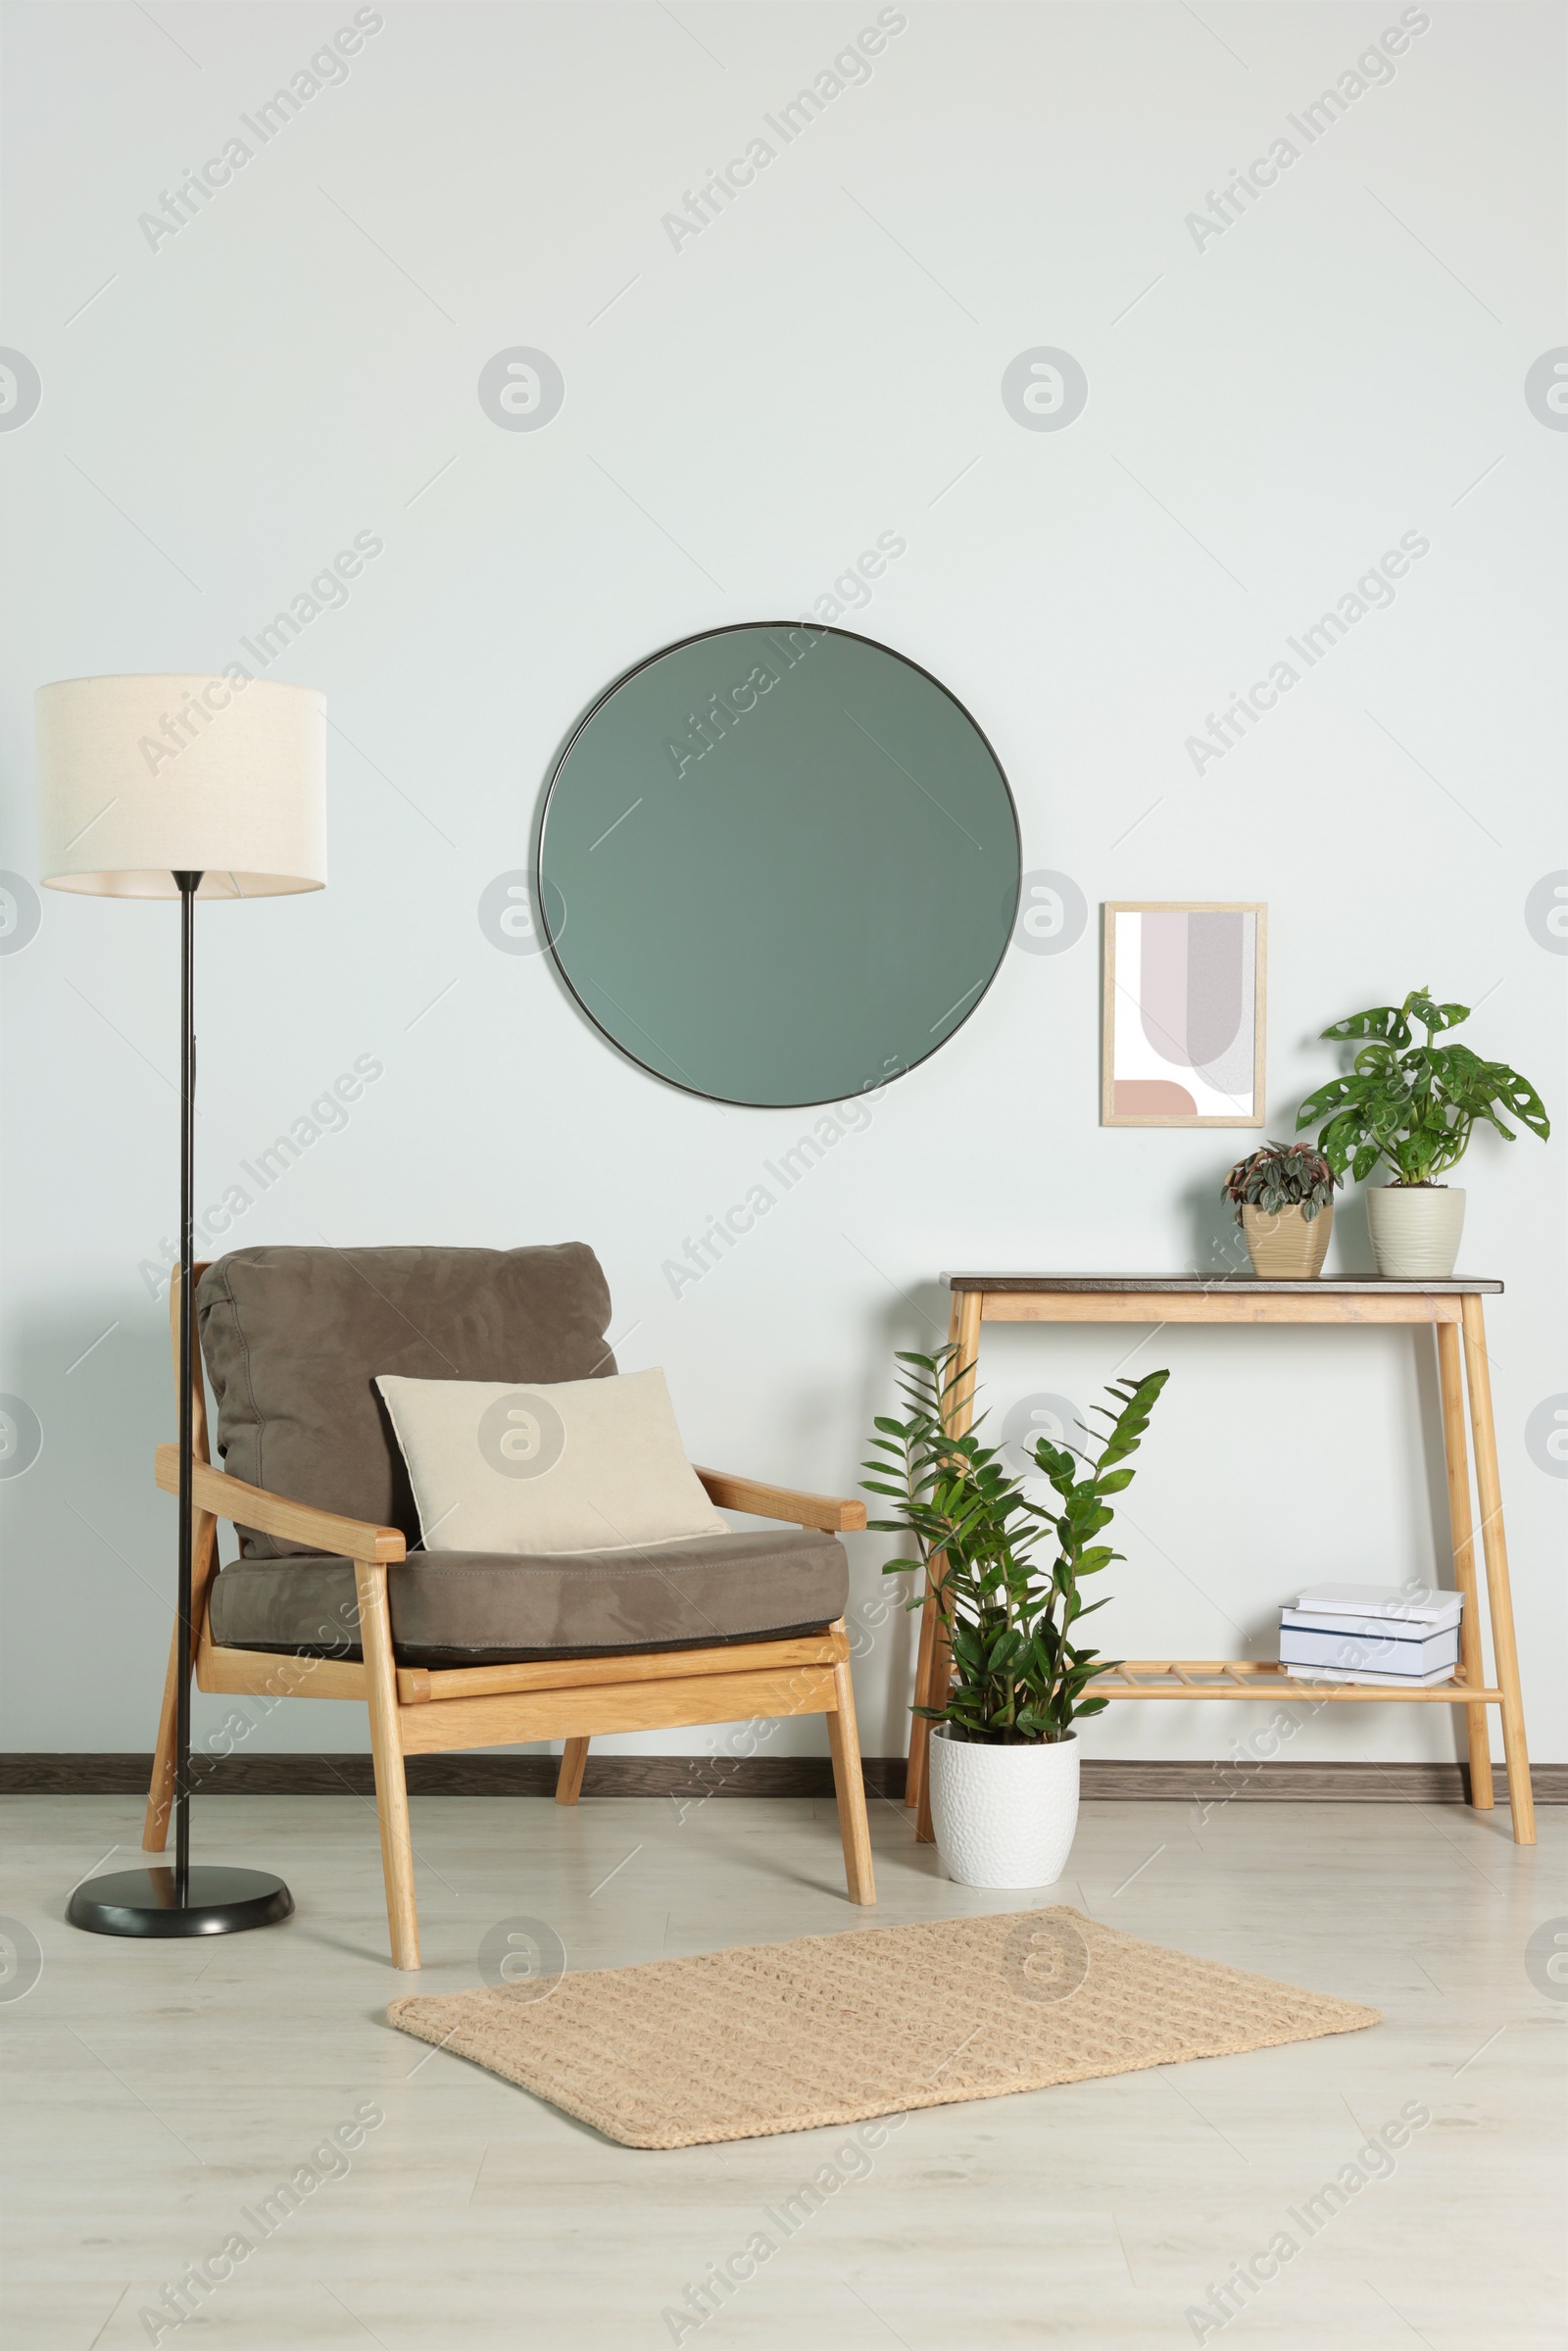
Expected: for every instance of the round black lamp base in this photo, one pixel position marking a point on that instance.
(218, 1901)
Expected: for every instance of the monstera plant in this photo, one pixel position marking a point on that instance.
(1413, 1107)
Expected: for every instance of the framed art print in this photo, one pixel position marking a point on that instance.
(1184, 1028)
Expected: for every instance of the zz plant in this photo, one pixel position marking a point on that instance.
(1414, 1107)
(1008, 1617)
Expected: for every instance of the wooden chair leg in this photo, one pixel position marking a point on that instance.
(160, 1794)
(573, 1759)
(204, 1559)
(1499, 1600)
(386, 1749)
(1462, 1538)
(848, 1781)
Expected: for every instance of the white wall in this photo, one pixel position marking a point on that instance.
(1269, 410)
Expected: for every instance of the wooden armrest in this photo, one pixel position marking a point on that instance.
(229, 1497)
(750, 1495)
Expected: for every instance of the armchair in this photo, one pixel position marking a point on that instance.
(333, 1596)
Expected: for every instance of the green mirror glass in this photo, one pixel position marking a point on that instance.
(778, 864)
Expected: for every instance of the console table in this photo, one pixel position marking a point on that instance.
(1454, 1310)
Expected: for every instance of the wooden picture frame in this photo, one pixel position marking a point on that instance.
(1173, 1091)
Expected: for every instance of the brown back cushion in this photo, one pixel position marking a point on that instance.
(293, 1340)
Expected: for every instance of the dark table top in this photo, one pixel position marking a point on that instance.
(1369, 1285)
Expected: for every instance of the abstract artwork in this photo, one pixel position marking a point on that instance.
(1184, 1016)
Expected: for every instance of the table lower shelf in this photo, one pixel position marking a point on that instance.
(1253, 1677)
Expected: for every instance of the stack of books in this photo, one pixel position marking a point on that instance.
(1371, 1632)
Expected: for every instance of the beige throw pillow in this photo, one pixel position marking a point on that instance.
(578, 1465)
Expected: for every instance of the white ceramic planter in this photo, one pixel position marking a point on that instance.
(1415, 1228)
(1003, 1817)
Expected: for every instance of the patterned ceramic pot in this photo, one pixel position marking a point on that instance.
(1415, 1228)
(1283, 1246)
(1005, 1817)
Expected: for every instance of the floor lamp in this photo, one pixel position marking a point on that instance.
(187, 787)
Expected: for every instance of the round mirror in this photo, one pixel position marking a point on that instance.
(779, 864)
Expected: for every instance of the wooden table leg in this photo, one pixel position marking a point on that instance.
(938, 1674)
(915, 1772)
(931, 1662)
(920, 1731)
(1462, 1538)
(1499, 1602)
(963, 1332)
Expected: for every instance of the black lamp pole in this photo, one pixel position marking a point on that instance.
(208, 1899)
(188, 886)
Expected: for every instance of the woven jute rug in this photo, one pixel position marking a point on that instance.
(836, 2028)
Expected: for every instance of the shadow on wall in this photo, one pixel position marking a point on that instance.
(1415, 1464)
(879, 1623)
(90, 1540)
(1215, 1244)
(91, 1543)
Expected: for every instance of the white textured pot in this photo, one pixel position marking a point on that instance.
(1003, 1817)
(1415, 1228)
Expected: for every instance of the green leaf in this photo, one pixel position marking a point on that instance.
(1383, 1020)
(1523, 1101)
(1435, 1017)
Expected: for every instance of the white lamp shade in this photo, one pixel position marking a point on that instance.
(140, 778)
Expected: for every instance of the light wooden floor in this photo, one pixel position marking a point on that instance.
(155, 2091)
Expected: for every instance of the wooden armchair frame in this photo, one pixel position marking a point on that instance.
(420, 1711)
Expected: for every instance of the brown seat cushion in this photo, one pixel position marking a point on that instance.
(492, 1608)
(293, 1340)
